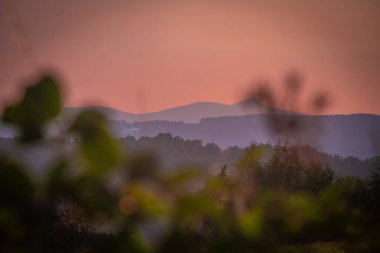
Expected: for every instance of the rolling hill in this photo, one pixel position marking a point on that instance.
(356, 135)
(190, 113)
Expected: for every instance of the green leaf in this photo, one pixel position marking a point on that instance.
(57, 183)
(99, 149)
(251, 223)
(93, 195)
(40, 103)
(16, 188)
(189, 206)
(144, 200)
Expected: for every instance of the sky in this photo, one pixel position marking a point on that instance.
(141, 56)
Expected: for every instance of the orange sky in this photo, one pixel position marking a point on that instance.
(143, 56)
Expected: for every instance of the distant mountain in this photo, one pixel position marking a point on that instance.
(191, 113)
(112, 114)
(356, 135)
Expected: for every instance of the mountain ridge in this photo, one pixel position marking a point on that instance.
(354, 135)
(188, 113)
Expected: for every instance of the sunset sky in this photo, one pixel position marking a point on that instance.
(141, 56)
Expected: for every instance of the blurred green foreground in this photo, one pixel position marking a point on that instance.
(95, 197)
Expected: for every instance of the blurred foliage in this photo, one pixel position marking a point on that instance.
(95, 198)
(285, 122)
(98, 147)
(40, 103)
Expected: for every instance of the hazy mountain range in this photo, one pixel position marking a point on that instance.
(356, 135)
(191, 113)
